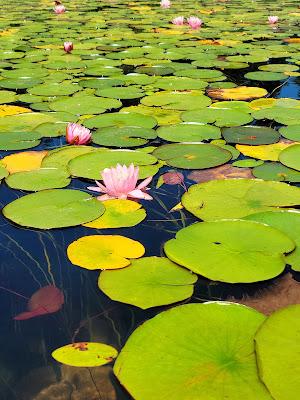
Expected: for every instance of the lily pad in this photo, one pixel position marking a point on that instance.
(85, 354)
(269, 152)
(189, 100)
(221, 117)
(24, 161)
(275, 171)
(54, 208)
(60, 157)
(237, 198)
(237, 93)
(192, 155)
(19, 140)
(7, 97)
(127, 136)
(3, 172)
(188, 132)
(290, 157)
(129, 92)
(55, 89)
(208, 369)
(148, 282)
(84, 104)
(291, 132)
(104, 251)
(265, 76)
(231, 251)
(253, 135)
(120, 120)
(119, 214)
(277, 345)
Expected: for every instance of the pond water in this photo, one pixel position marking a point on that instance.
(113, 39)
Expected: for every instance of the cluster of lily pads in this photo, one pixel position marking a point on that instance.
(157, 95)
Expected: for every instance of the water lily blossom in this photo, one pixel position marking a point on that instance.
(178, 20)
(59, 9)
(194, 22)
(77, 134)
(273, 19)
(120, 183)
(165, 4)
(68, 47)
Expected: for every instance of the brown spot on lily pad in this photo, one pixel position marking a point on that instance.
(222, 172)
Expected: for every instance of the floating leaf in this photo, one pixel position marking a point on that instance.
(120, 120)
(188, 132)
(237, 93)
(55, 208)
(189, 100)
(263, 152)
(25, 161)
(12, 110)
(148, 282)
(104, 251)
(253, 135)
(221, 368)
(237, 198)
(59, 158)
(127, 136)
(85, 354)
(290, 157)
(119, 214)
(231, 251)
(277, 345)
(219, 116)
(19, 140)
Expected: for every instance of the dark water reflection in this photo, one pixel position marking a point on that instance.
(31, 259)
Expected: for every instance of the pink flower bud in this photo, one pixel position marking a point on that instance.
(165, 4)
(68, 47)
(194, 22)
(59, 9)
(178, 20)
(273, 19)
(77, 134)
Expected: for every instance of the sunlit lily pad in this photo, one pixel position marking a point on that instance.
(269, 152)
(188, 132)
(283, 115)
(39, 179)
(55, 89)
(192, 155)
(237, 93)
(19, 140)
(54, 208)
(7, 97)
(291, 157)
(129, 92)
(60, 157)
(277, 347)
(119, 214)
(127, 136)
(221, 117)
(224, 367)
(253, 135)
(6, 110)
(3, 172)
(121, 120)
(24, 122)
(275, 171)
(265, 76)
(85, 354)
(231, 251)
(104, 251)
(291, 132)
(148, 282)
(287, 222)
(189, 100)
(237, 198)
(25, 161)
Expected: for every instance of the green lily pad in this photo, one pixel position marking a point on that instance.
(60, 157)
(127, 136)
(237, 198)
(291, 132)
(19, 140)
(39, 179)
(3, 172)
(54, 208)
(189, 100)
(55, 89)
(129, 92)
(247, 163)
(188, 132)
(100, 83)
(221, 117)
(278, 67)
(24, 122)
(277, 347)
(291, 157)
(179, 83)
(287, 222)
(192, 155)
(253, 135)
(84, 104)
(21, 83)
(283, 115)
(7, 97)
(148, 282)
(275, 171)
(231, 251)
(265, 76)
(212, 369)
(120, 120)
(52, 129)
(92, 164)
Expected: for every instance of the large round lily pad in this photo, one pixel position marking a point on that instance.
(189, 100)
(121, 120)
(231, 251)
(104, 251)
(127, 136)
(85, 354)
(60, 157)
(275, 171)
(189, 132)
(221, 117)
(19, 140)
(277, 347)
(54, 208)
(252, 135)
(237, 198)
(148, 282)
(291, 157)
(287, 222)
(174, 356)
(192, 155)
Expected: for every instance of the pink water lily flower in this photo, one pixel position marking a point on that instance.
(77, 134)
(59, 9)
(273, 19)
(165, 3)
(68, 47)
(194, 22)
(178, 20)
(120, 183)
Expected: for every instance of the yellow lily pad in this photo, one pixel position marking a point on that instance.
(12, 110)
(119, 214)
(25, 161)
(104, 251)
(264, 152)
(85, 354)
(237, 93)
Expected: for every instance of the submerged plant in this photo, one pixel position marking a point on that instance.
(178, 20)
(273, 19)
(120, 183)
(68, 47)
(77, 134)
(165, 3)
(194, 22)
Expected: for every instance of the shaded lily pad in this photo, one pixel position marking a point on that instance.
(148, 282)
(192, 155)
(253, 135)
(237, 198)
(104, 251)
(223, 367)
(119, 214)
(85, 354)
(19, 140)
(54, 208)
(277, 344)
(231, 251)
